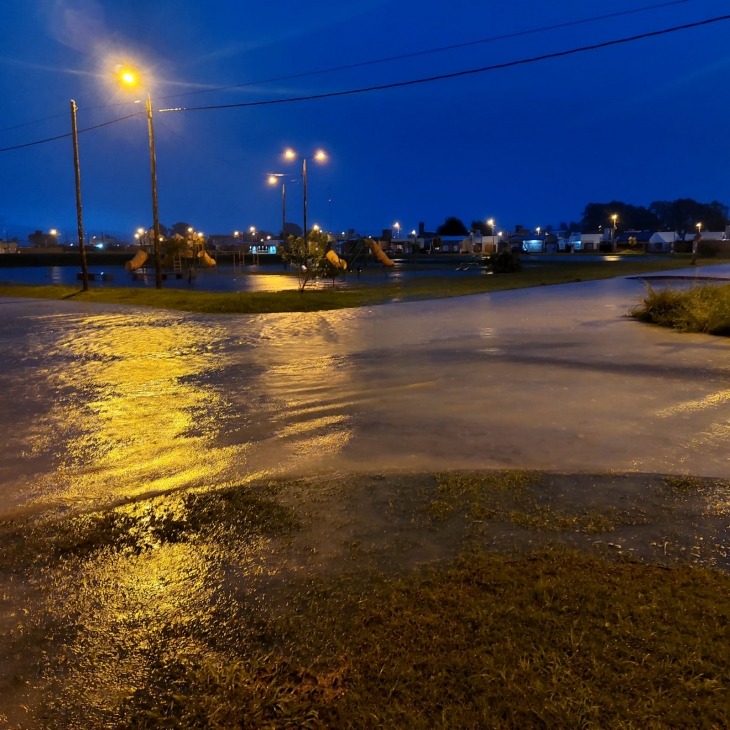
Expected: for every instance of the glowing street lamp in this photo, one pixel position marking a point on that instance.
(319, 156)
(614, 219)
(273, 179)
(129, 78)
(396, 225)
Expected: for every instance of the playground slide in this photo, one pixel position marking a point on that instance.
(380, 255)
(335, 260)
(137, 262)
(205, 259)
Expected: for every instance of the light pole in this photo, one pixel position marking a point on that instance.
(273, 180)
(396, 225)
(319, 156)
(491, 224)
(614, 219)
(130, 78)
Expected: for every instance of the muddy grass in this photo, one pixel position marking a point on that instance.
(507, 599)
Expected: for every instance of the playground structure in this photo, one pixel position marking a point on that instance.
(195, 254)
(335, 260)
(380, 255)
(205, 259)
(138, 261)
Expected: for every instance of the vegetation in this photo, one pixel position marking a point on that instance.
(452, 227)
(682, 214)
(703, 309)
(309, 258)
(355, 294)
(492, 636)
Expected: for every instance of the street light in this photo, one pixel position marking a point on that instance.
(274, 178)
(319, 156)
(614, 218)
(396, 225)
(130, 78)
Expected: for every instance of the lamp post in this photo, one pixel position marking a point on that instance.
(396, 225)
(130, 78)
(614, 219)
(319, 156)
(492, 224)
(274, 178)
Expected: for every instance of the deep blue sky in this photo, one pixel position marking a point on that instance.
(531, 144)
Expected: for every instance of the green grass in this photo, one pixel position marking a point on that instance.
(704, 309)
(554, 639)
(548, 637)
(356, 295)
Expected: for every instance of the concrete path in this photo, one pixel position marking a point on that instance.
(104, 403)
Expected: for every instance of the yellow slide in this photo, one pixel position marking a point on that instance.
(205, 259)
(380, 255)
(138, 261)
(335, 260)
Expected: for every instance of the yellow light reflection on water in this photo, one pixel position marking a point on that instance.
(139, 413)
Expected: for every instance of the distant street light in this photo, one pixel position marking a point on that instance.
(319, 156)
(130, 78)
(274, 178)
(614, 219)
(396, 225)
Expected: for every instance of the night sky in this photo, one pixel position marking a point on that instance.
(527, 143)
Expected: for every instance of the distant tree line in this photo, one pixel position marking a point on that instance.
(682, 214)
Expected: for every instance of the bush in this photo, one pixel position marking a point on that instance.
(505, 262)
(704, 309)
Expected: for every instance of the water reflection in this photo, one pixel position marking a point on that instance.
(135, 408)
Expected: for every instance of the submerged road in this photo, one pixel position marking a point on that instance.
(104, 403)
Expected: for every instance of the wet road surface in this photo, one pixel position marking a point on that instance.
(108, 403)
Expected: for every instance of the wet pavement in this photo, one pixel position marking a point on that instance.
(108, 403)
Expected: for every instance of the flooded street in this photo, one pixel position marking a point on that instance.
(107, 403)
(137, 428)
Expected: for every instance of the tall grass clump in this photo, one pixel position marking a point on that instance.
(703, 309)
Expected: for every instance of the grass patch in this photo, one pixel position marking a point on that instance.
(175, 613)
(392, 289)
(555, 639)
(233, 513)
(505, 496)
(704, 309)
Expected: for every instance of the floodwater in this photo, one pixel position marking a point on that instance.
(107, 403)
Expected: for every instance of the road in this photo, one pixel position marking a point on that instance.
(108, 403)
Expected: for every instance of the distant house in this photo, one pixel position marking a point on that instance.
(8, 246)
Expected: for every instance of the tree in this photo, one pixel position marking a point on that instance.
(630, 217)
(180, 228)
(452, 227)
(292, 229)
(684, 214)
(309, 257)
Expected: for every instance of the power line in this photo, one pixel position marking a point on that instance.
(68, 134)
(400, 84)
(456, 74)
(388, 59)
(415, 54)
